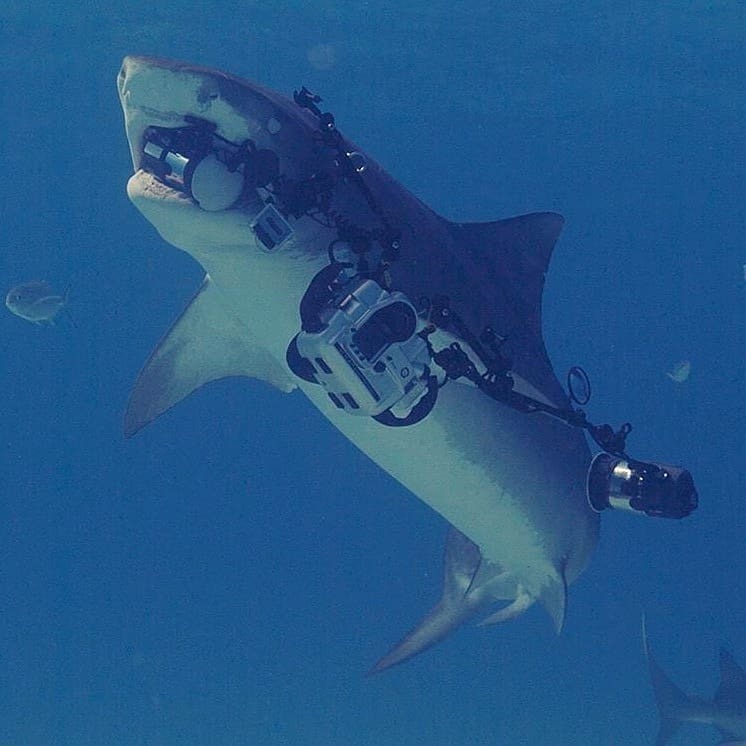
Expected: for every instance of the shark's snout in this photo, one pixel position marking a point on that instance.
(163, 93)
(140, 84)
(203, 142)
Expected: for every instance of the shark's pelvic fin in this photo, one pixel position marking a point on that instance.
(554, 598)
(206, 343)
(522, 602)
(461, 563)
(469, 585)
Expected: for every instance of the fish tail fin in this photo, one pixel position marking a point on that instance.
(65, 309)
(672, 702)
(70, 318)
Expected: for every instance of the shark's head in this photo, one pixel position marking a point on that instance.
(204, 144)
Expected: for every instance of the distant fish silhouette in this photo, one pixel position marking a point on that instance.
(680, 372)
(35, 301)
(726, 711)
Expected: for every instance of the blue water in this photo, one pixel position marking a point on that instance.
(227, 576)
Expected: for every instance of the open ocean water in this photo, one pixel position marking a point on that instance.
(228, 576)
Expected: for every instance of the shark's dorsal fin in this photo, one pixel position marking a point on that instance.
(732, 689)
(731, 694)
(510, 257)
(520, 245)
(206, 343)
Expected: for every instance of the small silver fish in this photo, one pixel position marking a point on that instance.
(35, 301)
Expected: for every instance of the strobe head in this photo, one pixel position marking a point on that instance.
(657, 490)
(211, 170)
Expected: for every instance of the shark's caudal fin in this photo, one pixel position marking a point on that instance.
(204, 344)
(731, 694)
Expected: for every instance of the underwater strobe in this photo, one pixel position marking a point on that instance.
(653, 489)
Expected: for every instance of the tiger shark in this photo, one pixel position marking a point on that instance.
(279, 209)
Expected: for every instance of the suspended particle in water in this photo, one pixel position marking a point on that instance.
(680, 372)
(322, 56)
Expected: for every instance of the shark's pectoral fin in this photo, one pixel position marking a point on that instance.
(205, 343)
